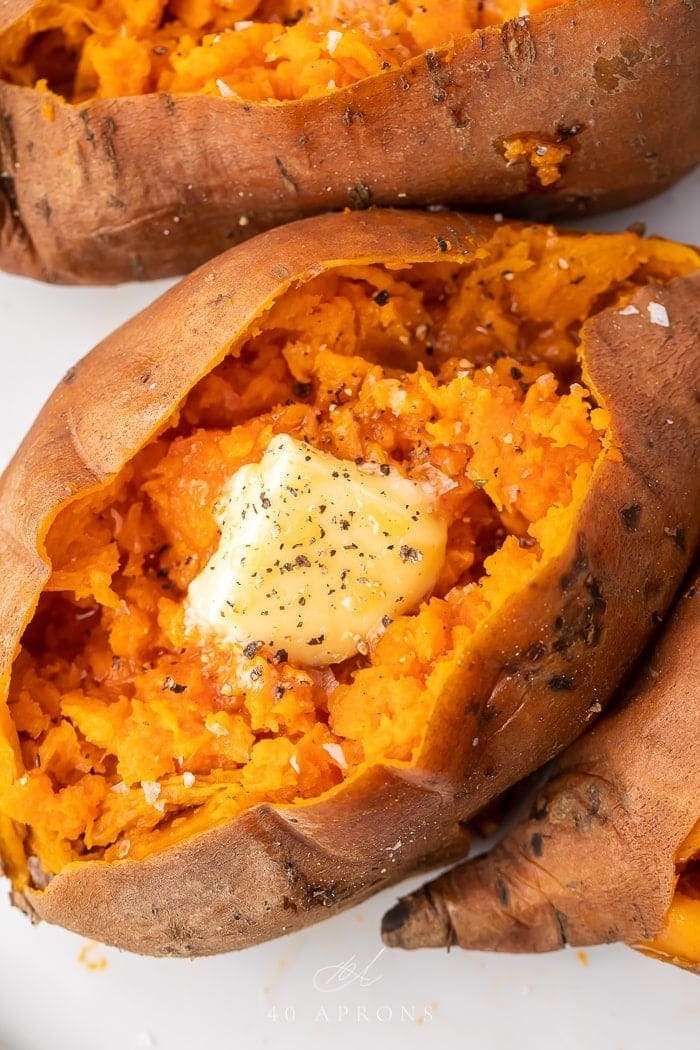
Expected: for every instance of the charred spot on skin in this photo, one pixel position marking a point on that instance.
(539, 810)
(360, 197)
(325, 896)
(89, 133)
(291, 872)
(677, 534)
(537, 844)
(352, 114)
(502, 893)
(562, 923)
(458, 118)
(519, 48)
(560, 683)
(441, 77)
(595, 799)
(44, 209)
(630, 516)
(569, 130)
(70, 376)
(396, 918)
(110, 153)
(536, 651)
(289, 182)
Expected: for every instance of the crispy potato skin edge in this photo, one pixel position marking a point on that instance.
(593, 860)
(525, 688)
(153, 186)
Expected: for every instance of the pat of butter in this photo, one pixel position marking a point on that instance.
(315, 555)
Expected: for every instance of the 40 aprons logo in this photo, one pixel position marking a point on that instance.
(353, 977)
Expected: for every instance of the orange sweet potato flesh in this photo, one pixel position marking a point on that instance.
(609, 850)
(581, 107)
(512, 692)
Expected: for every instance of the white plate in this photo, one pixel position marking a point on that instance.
(332, 982)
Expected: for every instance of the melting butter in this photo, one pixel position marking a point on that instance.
(316, 555)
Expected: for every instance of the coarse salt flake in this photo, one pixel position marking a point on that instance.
(224, 90)
(337, 754)
(294, 763)
(333, 38)
(658, 314)
(628, 311)
(151, 790)
(215, 728)
(188, 779)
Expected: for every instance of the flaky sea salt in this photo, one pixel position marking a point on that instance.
(151, 790)
(627, 311)
(658, 314)
(215, 728)
(333, 38)
(337, 754)
(188, 779)
(224, 90)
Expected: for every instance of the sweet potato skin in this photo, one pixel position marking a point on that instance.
(152, 186)
(593, 860)
(523, 692)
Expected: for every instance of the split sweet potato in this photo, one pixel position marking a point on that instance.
(139, 154)
(171, 795)
(609, 850)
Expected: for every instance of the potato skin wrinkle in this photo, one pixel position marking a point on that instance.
(593, 861)
(547, 659)
(149, 186)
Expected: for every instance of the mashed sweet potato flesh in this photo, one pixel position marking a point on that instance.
(277, 50)
(127, 732)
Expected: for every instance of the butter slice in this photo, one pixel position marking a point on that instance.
(316, 555)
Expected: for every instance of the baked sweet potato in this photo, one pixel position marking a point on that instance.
(180, 776)
(610, 850)
(138, 140)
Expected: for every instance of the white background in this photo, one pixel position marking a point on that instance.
(273, 996)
